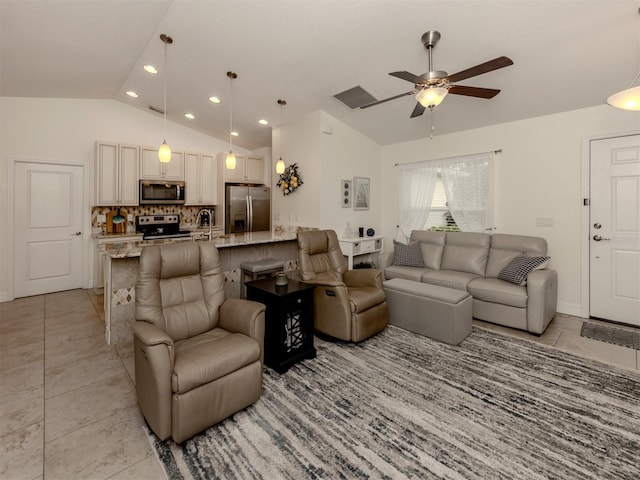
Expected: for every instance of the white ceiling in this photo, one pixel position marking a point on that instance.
(567, 54)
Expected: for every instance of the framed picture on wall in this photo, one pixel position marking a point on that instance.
(361, 198)
(345, 193)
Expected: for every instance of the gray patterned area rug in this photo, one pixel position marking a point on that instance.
(402, 406)
(617, 336)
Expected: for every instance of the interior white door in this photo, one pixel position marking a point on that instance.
(615, 229)
(48, 244)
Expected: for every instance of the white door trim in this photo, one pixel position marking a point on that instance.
(10, 250)
(584, 229)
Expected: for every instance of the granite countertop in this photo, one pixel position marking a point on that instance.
(127, 249)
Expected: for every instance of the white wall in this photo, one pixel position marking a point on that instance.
(538, 174)
(65, 131)
(326, 151)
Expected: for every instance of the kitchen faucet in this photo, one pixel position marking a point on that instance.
(209, 213)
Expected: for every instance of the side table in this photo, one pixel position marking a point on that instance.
(288, 336)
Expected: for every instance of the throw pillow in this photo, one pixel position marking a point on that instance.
(407, 255)
(520, 267)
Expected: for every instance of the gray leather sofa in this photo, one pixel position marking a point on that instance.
(473, 262)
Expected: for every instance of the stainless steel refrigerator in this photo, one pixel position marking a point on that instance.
(248, 209)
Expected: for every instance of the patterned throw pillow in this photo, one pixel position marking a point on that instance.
(520, 267)
(407, 255)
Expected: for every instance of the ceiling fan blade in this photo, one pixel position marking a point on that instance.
(489, 66)
(418, 110)
(387, 99)
(473, 91)
(409, 77)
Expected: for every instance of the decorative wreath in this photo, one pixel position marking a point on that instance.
(290, 180)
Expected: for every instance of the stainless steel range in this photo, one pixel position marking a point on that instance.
(160, 226)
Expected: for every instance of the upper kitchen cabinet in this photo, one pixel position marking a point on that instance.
(116, 174)
(200, 179)
(248, 169)
(153, 169)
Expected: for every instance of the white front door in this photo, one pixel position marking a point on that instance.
(614, 243)
(48, 247)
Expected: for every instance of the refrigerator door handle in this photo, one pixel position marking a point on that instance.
(249, 214)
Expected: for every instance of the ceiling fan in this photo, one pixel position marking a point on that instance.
(430, 88)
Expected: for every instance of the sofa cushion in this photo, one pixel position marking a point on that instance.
(448, 278)
(505, 248)
(432, 246)
(520, 267)
(407, 255)
(466, 252)
(398, 271)
(498, 291)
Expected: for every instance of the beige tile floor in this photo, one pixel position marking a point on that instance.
(68, 404)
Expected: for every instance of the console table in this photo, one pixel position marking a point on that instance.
(353, 247)
(288, 336)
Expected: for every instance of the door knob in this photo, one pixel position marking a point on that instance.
(597, 226)
(598, 238)
(76, 234)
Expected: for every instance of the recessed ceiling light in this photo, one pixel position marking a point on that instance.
(151, 69)
(132, 94)
(262, 121)
(214, 99)
(235, 134)
(190, 116)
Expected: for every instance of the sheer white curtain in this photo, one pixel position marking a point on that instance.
(416, 186)
(468, 184)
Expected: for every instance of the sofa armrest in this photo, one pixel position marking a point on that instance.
(363, 277)
(244, 316)
(149, 334)
(542, 290)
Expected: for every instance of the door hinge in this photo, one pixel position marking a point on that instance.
(585, 202)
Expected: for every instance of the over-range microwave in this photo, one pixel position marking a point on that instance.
(156, 192)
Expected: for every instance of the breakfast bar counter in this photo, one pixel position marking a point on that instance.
(121, 270)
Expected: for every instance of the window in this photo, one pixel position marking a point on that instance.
(460, 186)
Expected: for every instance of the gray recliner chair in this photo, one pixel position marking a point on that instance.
(348, 304)
(198, 357)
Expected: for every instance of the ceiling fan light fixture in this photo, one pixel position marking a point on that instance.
(431, 96)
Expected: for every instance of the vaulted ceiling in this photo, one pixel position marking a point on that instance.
(567, 54)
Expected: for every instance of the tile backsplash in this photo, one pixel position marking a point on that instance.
(187, 214)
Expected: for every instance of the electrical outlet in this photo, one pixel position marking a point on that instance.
(101, 219)
(544, 222)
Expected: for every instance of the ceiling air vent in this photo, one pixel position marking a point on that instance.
(355, 97)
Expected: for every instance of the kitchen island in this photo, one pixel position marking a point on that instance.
(121, 270)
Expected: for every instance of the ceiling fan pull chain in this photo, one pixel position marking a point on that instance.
(433, 126)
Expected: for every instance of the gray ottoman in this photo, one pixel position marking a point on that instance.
(436, 312)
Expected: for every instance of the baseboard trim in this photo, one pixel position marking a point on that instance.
(567, 308)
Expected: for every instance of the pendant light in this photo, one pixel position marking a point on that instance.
(628, 99)
(164, 152)
(280, 162)
(230, 160)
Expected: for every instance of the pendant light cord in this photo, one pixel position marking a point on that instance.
(230, 110)
(164, 77)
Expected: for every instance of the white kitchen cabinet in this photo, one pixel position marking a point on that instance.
(200, 179)
(116, 174)
(151, 168)
(354, 247)
(249, 169)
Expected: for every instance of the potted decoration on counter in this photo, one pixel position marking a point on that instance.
(290, 180)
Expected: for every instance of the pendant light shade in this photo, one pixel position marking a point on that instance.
(432, 96)
(629, 98)
(280, 163)
(230, 159)
(164, 152)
